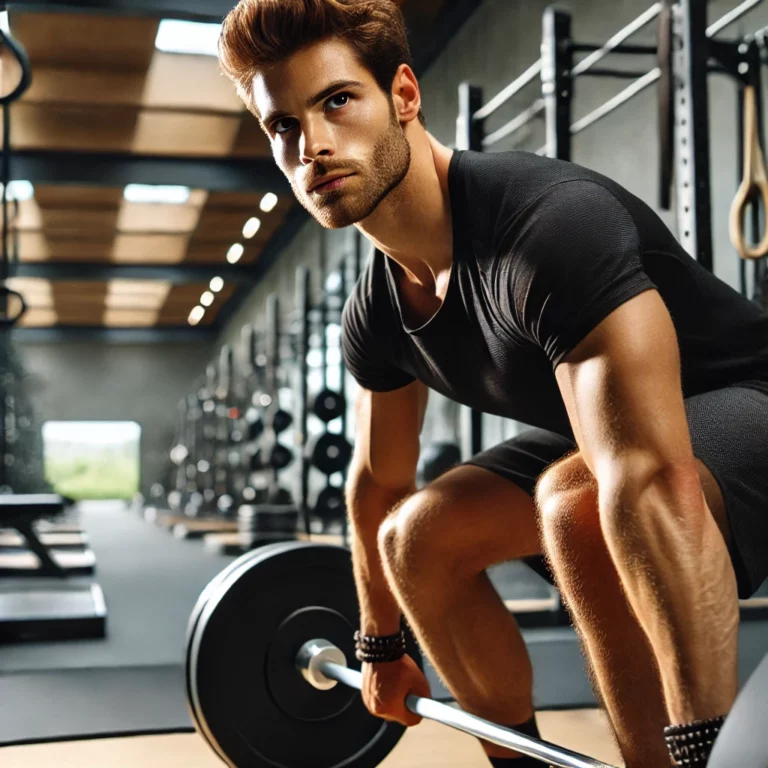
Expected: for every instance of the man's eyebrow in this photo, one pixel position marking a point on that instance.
(316, 99)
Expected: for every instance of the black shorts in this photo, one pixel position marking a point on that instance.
(729, 433)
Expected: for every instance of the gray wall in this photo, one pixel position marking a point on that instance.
(98, 381)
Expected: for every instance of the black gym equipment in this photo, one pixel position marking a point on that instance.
(328, 405)
(270, 515)
(249, 625)
(56, 611)
(329, 452)
(271, 635)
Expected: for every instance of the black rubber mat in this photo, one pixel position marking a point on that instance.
(66, 704)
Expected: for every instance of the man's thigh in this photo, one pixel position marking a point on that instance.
(522, 460)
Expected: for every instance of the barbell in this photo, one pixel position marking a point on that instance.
(268, 641)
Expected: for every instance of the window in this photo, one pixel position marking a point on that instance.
(92, 459)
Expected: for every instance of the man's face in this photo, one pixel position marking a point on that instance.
(326, 116)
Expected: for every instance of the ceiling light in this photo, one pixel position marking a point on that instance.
(268, 202)
(188, 37)
(216, 284)
(235, 253)
(156, 193)
(206, 299)
(20, 190)
(196, 315)
(252, 226)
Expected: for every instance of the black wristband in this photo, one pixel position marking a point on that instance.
(377, 649)
(691, 744)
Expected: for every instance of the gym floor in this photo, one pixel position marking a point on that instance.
(426, 746)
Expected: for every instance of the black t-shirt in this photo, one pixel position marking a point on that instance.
(544, 250)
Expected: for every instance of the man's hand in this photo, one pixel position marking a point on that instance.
(386, 686)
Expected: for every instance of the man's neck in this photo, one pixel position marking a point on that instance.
(414, 226)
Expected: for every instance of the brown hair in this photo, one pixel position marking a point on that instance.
(257, 33)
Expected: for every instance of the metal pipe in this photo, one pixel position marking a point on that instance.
(731, 16)
(623, 74)
(510, 91)
(620, 98)
(474, 726)
(536, 109)
(645, 50)
(641, 21)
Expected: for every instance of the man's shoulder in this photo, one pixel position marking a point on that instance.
(494, 188)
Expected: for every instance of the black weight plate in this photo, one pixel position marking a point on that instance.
(255, 429)
(290, 690)
(328, 405)
(330, 452)
(330, 503)
(211, 589)
(280, 457)
(249, 612)
(279, 420)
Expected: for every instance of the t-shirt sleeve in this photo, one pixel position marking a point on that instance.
(574, 260)
(367, 355)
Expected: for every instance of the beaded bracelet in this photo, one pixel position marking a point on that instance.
(378, 649)
(691, 744)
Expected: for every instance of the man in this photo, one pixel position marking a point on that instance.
(543, 292)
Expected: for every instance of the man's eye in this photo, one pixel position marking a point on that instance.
(337, 97)
(277, 123)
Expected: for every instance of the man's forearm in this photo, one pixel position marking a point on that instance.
(368, 506)
(676, 572)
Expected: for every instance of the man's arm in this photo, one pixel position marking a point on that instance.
(621, 386)
(382, 475)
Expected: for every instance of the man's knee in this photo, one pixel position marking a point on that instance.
(567, 502)
(413, 539)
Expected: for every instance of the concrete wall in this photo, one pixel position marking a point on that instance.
(95, 381)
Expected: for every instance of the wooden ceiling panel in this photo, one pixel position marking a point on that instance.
(85, 222)
(129, 318)
(189, 82)
(86, 41)
(149, 249)
(79, 302)
(162, 219)
(37, 293)
(108, 129)
(38, 246)
(136, 294)
(66, 196)
(38, 318)
(245, 201)
(85, 87)
(168, 133)
(227, 227)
